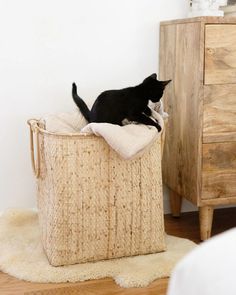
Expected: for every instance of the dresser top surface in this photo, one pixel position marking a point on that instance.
(202, 19)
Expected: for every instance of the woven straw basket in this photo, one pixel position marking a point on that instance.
(93, 205)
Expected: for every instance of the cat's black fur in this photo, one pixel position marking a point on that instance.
(113, 106)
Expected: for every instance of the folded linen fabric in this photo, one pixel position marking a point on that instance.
(71, 122)
(130, 140)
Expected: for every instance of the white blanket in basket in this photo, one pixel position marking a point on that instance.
(128, 141)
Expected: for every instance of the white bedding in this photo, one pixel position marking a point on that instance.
(209, 269)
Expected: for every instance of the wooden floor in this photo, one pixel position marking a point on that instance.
(186, 226)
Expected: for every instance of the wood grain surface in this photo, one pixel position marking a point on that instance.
(202, 19)
(220, 54)
(219, 157)
(182, 61)
(219, 109)
(218, 184)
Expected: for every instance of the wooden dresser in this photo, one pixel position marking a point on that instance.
(199, 161)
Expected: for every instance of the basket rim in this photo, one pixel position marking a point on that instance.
(35, 123)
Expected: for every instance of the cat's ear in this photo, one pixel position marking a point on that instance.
(153, 76)
(150, 78)
(164, 83)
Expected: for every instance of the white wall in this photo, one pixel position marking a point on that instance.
(46, 45)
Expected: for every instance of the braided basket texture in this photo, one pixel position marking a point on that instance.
(93, 205)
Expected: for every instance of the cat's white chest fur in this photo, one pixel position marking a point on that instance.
(157, 108)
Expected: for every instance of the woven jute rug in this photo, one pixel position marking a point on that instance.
(22, 256)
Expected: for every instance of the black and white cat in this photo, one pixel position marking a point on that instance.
(114, 106)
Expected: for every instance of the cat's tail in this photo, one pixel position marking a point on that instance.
(80, 103)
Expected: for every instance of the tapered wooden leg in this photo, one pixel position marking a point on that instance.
(205, 217)
(175, 203)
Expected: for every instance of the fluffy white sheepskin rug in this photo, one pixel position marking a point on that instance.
(22, 256)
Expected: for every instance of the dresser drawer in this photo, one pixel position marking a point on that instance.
(219, 170)
(220, 184)
(220, 54)
(219, 109)
(219, 156)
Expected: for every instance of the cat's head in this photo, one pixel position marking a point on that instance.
(154, 88)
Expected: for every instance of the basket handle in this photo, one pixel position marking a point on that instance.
(33, 123)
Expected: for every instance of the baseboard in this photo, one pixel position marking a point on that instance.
(186, 206)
